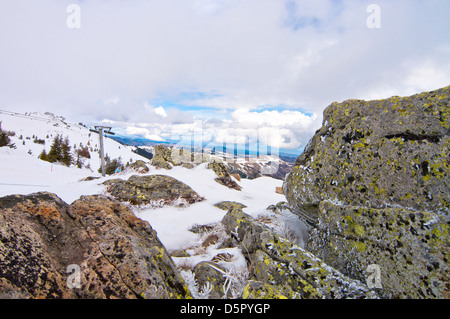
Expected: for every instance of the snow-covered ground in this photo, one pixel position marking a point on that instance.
(47, 126)
(21, 172)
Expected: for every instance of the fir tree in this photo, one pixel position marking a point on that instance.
(66, 158)
(60, 151)
(55, 152)
(43, 156)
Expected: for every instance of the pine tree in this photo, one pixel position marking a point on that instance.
(60, 151)
(55, 152)
(66, 157)
(43, 156)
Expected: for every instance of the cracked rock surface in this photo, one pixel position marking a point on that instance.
(117, 254)
(374, 183)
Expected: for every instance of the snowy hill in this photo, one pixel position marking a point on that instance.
(22, 172)
(36, 131)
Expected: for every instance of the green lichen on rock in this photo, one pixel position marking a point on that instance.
(223, 175)
(118, 254)
(162, 157)
(157, 190)
(227, 205)
(410, 247)
(261, 290)
(290, 270)
(206, 273)
(374, 181)
(378, 154)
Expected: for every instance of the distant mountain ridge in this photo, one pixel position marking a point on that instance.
(249, 166)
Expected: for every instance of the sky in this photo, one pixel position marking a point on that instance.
(229, 71)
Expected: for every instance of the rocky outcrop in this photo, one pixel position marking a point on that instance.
(227, 205)
(223, 175)
(155, 190)
(162, 157)
(138, 167)
(378, 154)
(167, 158)
(281, 269)
(93, 248)
(374, 181)
(410, 247)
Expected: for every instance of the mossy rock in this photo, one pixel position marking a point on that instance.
(156, 190)
(378, 154)
(162, 157)
(223, 175)
(206, 272)
(260, 290)
(291, 269)
(227, 205)
(412, 248)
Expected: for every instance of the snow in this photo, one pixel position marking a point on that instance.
(23, 173)
(173, 223)
(47, 127)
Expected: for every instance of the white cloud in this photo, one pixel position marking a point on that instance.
(160, 111)
(137, 131)
(301, 54)
(428, 76)
(144, 132)
(111, 100)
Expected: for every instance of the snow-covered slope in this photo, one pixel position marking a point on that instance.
(38, 126)
(23, 173)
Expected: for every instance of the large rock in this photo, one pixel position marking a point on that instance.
(374, 181)
(206, 274)
(94, 248)
(379, 154)
(156, 190)
(223, 175)
(410, 247)
(138, 166)
(162, 157)
(285, 270)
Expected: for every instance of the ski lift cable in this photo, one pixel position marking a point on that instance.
(34, 117)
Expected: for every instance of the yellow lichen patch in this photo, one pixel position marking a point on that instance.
(44, 210)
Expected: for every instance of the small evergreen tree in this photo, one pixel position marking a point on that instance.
(4, 138)
(43, 156)
(65, 150)
(59, 151)
(55, 152)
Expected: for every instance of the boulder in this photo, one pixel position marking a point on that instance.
(206, 273)
(162, 157)
(291, 271)
(410, 247)
(378, 154)
(223, 176)
(168, 157)
(227, 205)
(94, 248)
(374, 184)
(155, 190)
(139, 167)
